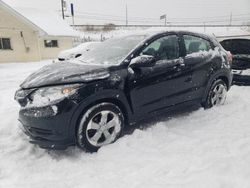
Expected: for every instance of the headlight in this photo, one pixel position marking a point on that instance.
(71, 56)
(49, 95)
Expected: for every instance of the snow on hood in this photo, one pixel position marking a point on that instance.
(65, 73)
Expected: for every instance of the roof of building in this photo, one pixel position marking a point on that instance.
(46, 22)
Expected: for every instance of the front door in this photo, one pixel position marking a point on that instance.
(163, 85)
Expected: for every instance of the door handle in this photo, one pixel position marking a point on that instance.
(189, 78)
(180, 65)
(180, 62)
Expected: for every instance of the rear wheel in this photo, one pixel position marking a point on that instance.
(102, 124)
(217, 94)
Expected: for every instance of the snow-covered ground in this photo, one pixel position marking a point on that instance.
(198, 149)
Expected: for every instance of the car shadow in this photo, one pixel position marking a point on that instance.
(75, 153)
(167, 116)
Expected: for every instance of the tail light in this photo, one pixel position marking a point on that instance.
(229, 57)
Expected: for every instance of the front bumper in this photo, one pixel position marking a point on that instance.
(241, 77)
(49, 126)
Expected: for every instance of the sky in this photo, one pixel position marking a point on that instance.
(148, 11)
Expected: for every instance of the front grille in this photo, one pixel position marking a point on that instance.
(38, 112)
(39, 131)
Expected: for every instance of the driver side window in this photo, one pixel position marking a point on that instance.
(165, 48)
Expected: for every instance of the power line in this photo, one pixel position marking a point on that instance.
(191, 20)
(180, 25)
(171, 18)
(157, 21)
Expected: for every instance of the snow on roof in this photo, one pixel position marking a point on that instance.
(49, 22)
(46, 22)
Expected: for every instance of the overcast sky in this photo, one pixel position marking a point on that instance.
(148, 11)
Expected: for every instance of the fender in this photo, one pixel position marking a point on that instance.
(223, 73)
(109, 95)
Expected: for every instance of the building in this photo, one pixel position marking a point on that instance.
(32, 35)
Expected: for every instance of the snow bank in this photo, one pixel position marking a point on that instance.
(197, 149)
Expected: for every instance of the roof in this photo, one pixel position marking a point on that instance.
(46, 22)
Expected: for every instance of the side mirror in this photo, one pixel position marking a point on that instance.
(143, 61)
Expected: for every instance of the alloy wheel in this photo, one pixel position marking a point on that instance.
(103, 128)
(219, 95)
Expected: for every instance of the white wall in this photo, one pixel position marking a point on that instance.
(30, 47)
(10, 27)
(51, 53)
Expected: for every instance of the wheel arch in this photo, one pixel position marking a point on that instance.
(114, 101)
(84, 106)
(223, 75)
(225, 79)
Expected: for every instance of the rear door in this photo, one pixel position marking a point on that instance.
(199, 57)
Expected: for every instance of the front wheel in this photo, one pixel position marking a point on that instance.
(102, 124)
(217, 94)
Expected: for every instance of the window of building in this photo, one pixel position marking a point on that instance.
(195, 44)
(5, 44)
(51, 43)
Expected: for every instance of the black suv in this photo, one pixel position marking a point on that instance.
(88, 101)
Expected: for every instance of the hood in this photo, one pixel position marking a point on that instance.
(65, 73)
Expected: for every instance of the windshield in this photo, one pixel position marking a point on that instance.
(112, 51)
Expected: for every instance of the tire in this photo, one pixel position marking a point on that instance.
(217, 94)
(100, 125)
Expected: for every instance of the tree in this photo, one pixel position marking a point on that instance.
(109, 27)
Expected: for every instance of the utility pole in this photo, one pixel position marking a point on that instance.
(62, 4)
(126, 15)
(204, 23)
(231, 18)
(72, 13)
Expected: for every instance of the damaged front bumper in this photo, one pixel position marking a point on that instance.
(48, 126)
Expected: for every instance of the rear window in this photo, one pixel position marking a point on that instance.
(195, 44)
(237, 46)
